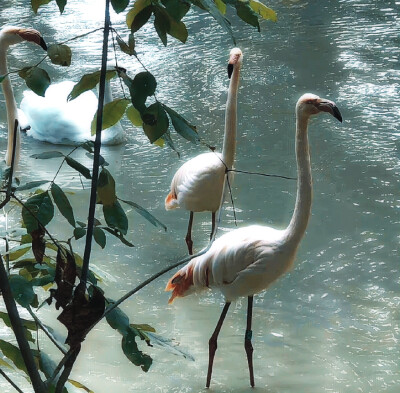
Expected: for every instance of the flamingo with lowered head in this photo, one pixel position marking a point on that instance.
(197, 185)
(247, 260)
(11, 35)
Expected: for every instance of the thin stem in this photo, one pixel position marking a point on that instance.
(97, 147)
(262, 174)
(19, 332)
(9, 380)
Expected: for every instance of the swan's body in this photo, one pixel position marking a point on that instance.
(54, 119)
(247, 260)
(198, 184)
(11, 35)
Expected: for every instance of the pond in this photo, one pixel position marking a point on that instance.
(332, 323)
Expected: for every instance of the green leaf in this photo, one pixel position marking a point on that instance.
(48, 154)
(106, 188)
(182, 126)
(79, 232)
(134, 116)
(85, 172)
(115, 217)
(99, 237)
(143, 85)
(61, 5)
(88, 82)
(112, 113)
(13, 353)
(28, 324)
(210, 6)
(246, 13)
(32, 184)
(118, 320)
(129, 48)
(155, 121)
(119, 5)
(43, 280)
(79, 385)
(168, 344)
(177, 9)
(40, 208)
(18, 251)
(164, 24)
(131, 351)
(263, 11)
(221, 6)
(2, 77)
(37, 3)
(60, 54)
(138, 6)
(21, 289)
(36, 79)
(62, 203)
(161, 24)
(144, 213)
(119, 236)
(143, 326)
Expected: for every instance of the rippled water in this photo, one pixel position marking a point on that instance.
(332, 324)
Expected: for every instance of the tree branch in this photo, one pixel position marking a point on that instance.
(10, 381)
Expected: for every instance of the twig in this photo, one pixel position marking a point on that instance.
(262, 174)
(46, 332)
(67, 367)
(9, 380)
(19, 332)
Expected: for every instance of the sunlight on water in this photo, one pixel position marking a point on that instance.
(332, 324)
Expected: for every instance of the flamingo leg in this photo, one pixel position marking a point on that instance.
(212, 344)
(247, 340)
(212, 224)
(188, 238)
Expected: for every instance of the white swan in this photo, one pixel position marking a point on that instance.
(55, 120)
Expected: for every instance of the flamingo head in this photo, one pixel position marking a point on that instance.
(235, 60)
(310, 104)
(11, 35)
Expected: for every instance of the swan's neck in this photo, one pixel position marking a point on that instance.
(11, 106)
(229, 145)
(302, 210)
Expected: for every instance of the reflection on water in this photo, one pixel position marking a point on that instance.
(332, 324)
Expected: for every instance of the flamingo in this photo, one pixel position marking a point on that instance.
(11, 35)
(247, 260)
(197, 185)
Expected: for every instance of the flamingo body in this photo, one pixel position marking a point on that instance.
(197, 185)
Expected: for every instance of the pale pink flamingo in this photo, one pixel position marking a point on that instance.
(11, 35)
(197, 185)
(246, 261)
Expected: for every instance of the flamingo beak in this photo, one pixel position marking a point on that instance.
(330, 107)
(230, 70)
(34, 36)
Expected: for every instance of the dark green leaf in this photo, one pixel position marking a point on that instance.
(42, 281)
(60, 54)
(245, 13)
(118, 320)
(161, 24)
(129, 48)
(112, 113)
(144, 213)
(32, 184)
(119, 236)
(102, 161)
(141, 19)
(155, 121)
(36, 79)
(85, 172)
(88, 82)
(115, 217)
(28, 324)
(88, 146)
(143, 85)
(47, 154)
(99, 237)
(119, 5)
(13, 353)
(132, 352)
(62, 203)
(21, 289)
(37, 3)
(17, 252)
(182, 126)
(61, 5)
(176, 8)
(38, 207)
(138, 6)
(79, 232)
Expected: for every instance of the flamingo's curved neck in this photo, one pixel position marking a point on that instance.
(302, 210)
(11, 105)
(229, 145)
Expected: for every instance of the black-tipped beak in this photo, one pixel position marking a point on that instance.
(336, 113)
(230, 70)
(43, 44)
